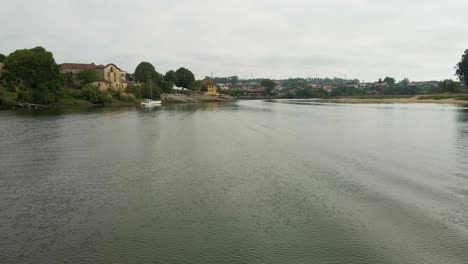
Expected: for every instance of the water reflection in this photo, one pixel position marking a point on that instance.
(247, 181)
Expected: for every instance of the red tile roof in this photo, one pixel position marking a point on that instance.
(77, 66)
(207, 82)
(254, 90)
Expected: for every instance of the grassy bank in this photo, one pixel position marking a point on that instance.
(430, 98)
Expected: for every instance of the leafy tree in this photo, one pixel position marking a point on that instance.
(449, 86)
(151, 91)
(405, 81)
(389, 80)
(87, 76)
(146, 71)
(185, 78)
(2, 57)
(42, 95)
(170, 78)
(38, 72)
(462, 68)
(95, 95)
(135, 90)
(34, 66)
(269, 85)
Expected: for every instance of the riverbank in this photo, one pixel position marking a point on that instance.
(433, 99)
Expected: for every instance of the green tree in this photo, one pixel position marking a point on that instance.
(185, 78)
(37, 70)
(151, 91)
(389, 80)
(33, 66)
(449, 86)
(170, 78)
(405, 81)
(269, 85)
(197, 86)
(87, 76)
(2, 57)
(146, 71)
(95, 95)
(462, 68)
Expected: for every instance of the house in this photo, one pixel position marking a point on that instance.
(377, 84)
(253, 92)
(328, 88)
(109, 76)
(123, 75)
(74, 68)
(212, 89)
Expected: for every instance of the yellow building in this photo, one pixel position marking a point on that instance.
(109, 76)
(212, 89)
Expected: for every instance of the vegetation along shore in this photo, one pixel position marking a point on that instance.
(31, 78)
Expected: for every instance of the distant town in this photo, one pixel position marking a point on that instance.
(31, 76)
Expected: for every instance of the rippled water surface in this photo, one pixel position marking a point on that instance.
(247, 182)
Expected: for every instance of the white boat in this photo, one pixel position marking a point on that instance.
(150, 103)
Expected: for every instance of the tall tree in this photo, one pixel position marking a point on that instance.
(389, 80)
(462, 68)
(33, 66)
(185, 78)
(170, 78)
(146, 71)
(269, 85)
(2, 57)
(405, 81)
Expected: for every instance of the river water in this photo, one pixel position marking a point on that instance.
(246, 182)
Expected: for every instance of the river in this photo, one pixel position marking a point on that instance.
(246, 182)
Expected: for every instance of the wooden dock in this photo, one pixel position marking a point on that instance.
(30, 106)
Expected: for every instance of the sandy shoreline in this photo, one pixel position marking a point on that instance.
(406, 100)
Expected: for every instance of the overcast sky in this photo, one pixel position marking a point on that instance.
(362, 39)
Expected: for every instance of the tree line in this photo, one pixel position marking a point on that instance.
(33, 76)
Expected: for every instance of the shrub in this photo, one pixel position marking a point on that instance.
(95, 95)
(125, 97)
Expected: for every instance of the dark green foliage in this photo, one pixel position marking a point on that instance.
(145, 71)
(346, 90)
(6, 100)
(95, 95)
(462, 68)
(147, 89)
(135, 90)
(185, 78)
(87, 76)
(449, 86)
(405, 81)
(33, 66)
(2, 57)
(389, 80)
(269, 85)
(24, 96)
(170, 76)
(42, 95)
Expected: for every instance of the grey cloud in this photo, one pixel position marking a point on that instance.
(365, 39)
